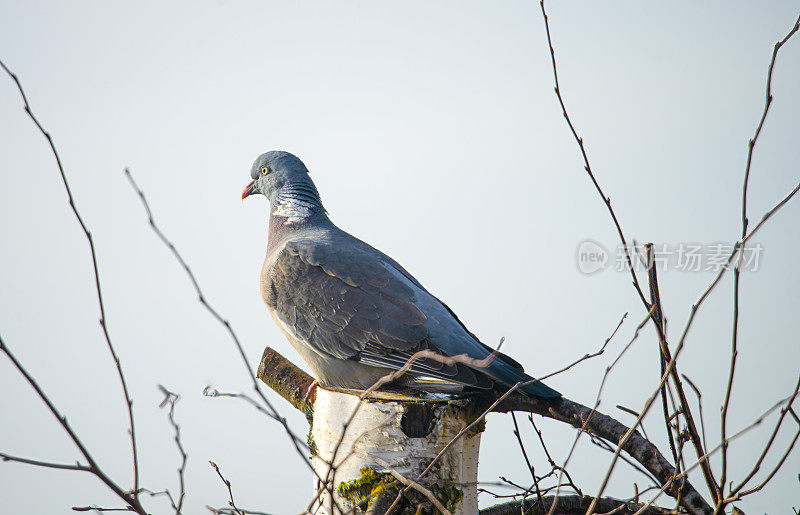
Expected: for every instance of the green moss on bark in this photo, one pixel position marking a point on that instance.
(372, 484)
(369, 485)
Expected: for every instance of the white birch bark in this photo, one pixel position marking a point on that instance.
(379, 431)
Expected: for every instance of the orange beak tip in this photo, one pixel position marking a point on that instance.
(248, 190)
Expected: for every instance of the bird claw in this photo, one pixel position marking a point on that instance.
(311, 393)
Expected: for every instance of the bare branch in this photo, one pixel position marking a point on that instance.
(767, 103)
(287, 380)
(210, 391)
(130, 498)
(98, 289)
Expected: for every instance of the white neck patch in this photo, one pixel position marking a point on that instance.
(294, 210)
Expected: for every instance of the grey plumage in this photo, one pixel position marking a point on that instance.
(352, 312)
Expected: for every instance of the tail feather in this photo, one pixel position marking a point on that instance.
(509, 376)
(541, 390)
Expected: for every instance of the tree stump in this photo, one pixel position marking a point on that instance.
(395, 432)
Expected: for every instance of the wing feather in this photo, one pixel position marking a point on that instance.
(346, 304)
(337, 301)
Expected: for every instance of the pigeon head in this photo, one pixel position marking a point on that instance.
(283, 179)
(273, 171)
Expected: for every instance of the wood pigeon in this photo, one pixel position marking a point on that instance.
(352, 312)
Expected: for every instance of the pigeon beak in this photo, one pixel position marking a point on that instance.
(249, 190)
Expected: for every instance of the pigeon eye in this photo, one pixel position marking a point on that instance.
(264, 170)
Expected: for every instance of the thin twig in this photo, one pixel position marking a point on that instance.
(594, 354)
(45, 464)
(736, 272)
(228, 485)
(210, 391)
(165, 493)
(587, 166)
(525, 455)
(171, 398)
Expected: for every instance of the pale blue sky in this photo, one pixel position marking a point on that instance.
(432, 132)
